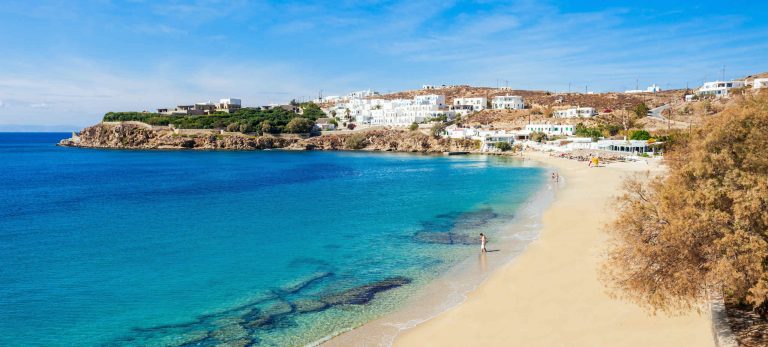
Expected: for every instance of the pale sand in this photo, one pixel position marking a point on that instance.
(550, 295)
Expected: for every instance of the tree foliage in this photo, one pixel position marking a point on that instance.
(640, 135)
(704, 225)
(299, 126)
(641, 110)
(503, 146)
(277, 117)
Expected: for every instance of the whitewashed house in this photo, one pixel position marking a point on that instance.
(652, 89)
(576, 112)
(759, 83)
(718, 88)
(508, 102)
(477, 103)
(552, 129)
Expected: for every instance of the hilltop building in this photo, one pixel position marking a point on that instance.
(476, 103)
(759, 83)
(652, 89)
(508, 102)
(576, 112)
(718, 88)
(228, 105)
(397, 112)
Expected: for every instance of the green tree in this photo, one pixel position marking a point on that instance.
(538, 136)
(233, 127)
(299, 126)
(437, 130)
(640, 135)
(641, 110)
(503, 146)
(267, 128)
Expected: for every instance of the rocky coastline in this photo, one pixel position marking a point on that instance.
(137, 136)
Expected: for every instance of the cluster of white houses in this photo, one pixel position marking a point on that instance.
(420, 109)
(722, 88)
(228, 105)
(566, 142)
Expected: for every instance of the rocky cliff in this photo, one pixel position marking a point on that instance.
(131, 136)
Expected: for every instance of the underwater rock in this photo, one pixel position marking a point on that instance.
(258, 319)
(304, 283)
(446, 238)
(309, 305)
(236, 343)
(230, 333)
(363, 294)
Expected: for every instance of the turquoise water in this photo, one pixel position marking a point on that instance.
(108, 247)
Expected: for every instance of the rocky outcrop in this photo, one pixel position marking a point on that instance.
(131, 136)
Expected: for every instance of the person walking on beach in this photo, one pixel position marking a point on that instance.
(483, 240)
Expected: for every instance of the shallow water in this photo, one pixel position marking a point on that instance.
(108, 247)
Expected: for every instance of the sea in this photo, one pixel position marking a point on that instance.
(269, 248)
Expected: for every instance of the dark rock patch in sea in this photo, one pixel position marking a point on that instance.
(461, 221)
(242, 325)
(305, 282)
(445, 238)
(365, 293)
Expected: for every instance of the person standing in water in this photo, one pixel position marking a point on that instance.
(483, 240)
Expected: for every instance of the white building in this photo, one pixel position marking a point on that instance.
(487, 138)
(362, 94)
(652, 89)
(478, 104)
(576, 112)
(718, 88)
(508, 102)
(398, 112)
(758, 83)
(552, 129)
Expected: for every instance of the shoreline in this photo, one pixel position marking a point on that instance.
(550, 295)
(452, 288)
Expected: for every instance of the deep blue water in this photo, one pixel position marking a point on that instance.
(116, 247)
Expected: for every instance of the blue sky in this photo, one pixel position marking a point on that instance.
(69, 62)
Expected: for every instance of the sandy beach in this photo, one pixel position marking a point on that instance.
(550, 295)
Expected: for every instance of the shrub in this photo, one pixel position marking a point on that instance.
(703, 226)
(503, 146)
(437, 130)
(414, 126)
(356, 141)
(640, 135)
(641, 110)
(538, 136)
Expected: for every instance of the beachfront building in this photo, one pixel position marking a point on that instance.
(576, 112)
(759, 83)
(508, 102)
(488, 138)
(477, 103)
(627, 146)
(718, 88)
(552, 129)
